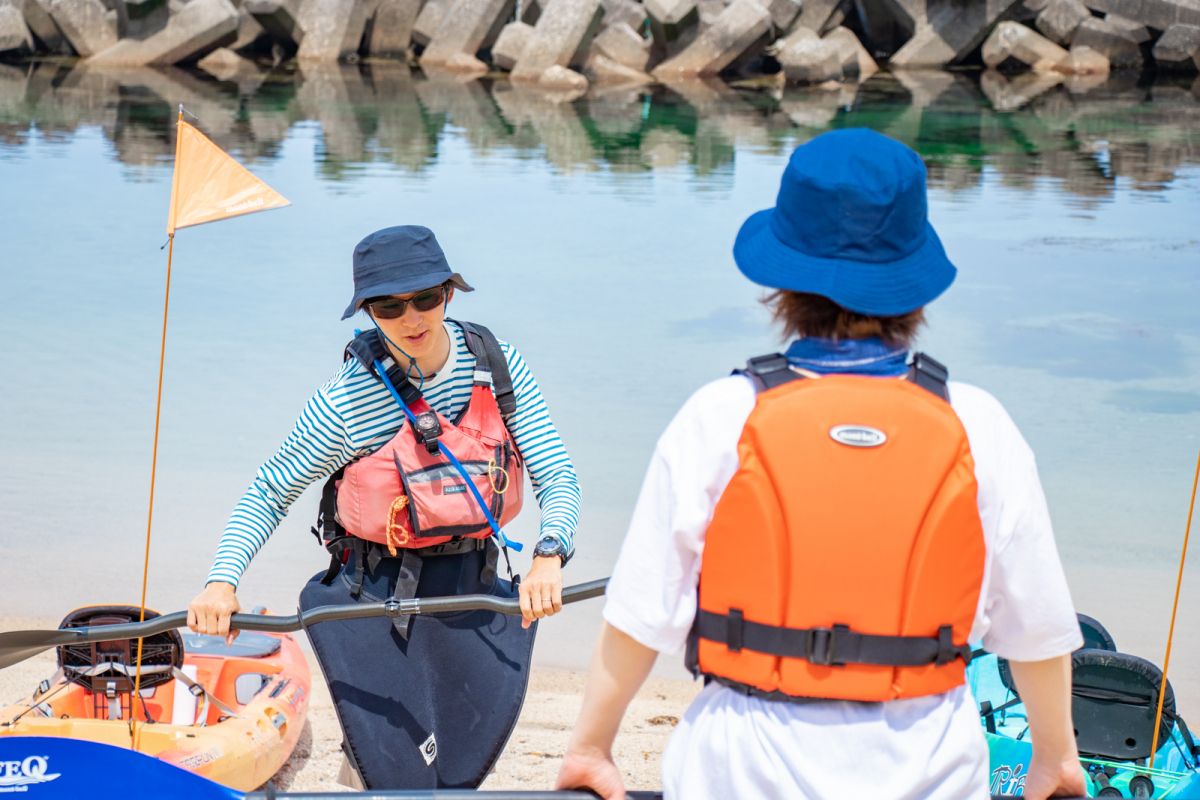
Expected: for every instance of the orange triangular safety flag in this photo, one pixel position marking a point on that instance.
(208, 185)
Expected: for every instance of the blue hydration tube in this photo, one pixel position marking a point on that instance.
(453, 459)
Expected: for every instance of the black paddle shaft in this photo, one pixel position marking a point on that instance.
(16, 646)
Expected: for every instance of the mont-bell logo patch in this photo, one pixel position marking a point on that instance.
(429, 750)
(857, 435)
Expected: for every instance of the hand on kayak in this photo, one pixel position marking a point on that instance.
(1062, 779)
(209, 611)
(541, 589)
(591, 769)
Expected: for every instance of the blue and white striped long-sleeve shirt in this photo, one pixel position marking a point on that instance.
(353, 415)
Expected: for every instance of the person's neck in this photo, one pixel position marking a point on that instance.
(431, 364)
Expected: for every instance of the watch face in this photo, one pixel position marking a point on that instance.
(548, 547)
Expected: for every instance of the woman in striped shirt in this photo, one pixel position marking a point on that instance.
(403, 283)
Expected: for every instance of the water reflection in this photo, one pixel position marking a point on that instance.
(1085, 134)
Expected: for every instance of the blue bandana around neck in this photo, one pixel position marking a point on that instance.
(855, 356)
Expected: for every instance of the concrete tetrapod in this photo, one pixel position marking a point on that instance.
(561, 38)
(1178, 49)
(88, 25)
(1013, 40)
(471, 26)
(14, 36)
(946, 30)
(391, 28)
(193, 31)
(1110, 41)
(279, 18)
(742, 26)
(1059, 19)
(333, 29)
(507, 50)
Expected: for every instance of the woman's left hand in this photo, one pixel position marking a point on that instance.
(541, 589)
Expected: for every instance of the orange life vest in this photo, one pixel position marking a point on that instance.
(845, 558)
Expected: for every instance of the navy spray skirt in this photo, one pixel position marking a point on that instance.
(432, 703)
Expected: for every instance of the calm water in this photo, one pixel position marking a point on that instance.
(598, 234)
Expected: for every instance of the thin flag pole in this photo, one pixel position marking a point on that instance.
(162, 358)
(1162, 689)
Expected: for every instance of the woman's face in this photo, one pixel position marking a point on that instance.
(418, 333)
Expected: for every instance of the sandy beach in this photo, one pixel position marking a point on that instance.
(534, 752)
(530, 761)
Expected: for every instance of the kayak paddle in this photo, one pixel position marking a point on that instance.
(16, 646)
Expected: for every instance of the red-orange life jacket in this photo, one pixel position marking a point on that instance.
(408, 494)
(845, 558)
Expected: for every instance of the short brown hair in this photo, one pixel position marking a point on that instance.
(803, 314)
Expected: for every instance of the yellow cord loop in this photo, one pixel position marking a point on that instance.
(398, 534)
(495, 469)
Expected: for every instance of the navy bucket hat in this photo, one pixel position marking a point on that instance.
(399, 260)
(851, 224)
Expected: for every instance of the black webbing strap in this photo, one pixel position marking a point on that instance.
(367, 347)
(930, 374)
(769, 371)
(834, 646)
(406, 587)
(329, 532)
(490, 358)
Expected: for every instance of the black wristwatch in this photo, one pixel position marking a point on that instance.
(550, 546)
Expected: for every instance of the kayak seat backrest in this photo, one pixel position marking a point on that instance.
(1095, 637)
(1114, 699)
(111, 667)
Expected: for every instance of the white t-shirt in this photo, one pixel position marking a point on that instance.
(729, 745)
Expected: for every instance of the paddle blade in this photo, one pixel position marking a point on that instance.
(16, 646)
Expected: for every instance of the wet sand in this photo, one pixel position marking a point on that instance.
(530, 761)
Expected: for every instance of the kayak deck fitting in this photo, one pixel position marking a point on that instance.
(231, 713)
(1113, 707)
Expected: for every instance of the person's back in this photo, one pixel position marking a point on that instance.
(826, 539)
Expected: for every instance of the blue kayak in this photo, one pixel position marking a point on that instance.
(1114, 703)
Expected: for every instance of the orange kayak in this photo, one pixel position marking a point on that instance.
(231, 713)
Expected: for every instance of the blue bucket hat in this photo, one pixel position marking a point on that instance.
(851, 224)
(399, 260)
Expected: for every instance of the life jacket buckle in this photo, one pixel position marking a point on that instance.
(821, 648)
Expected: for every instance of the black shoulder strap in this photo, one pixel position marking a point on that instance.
(490, 358)
(367, 348)
(769, 371)
(930, 374)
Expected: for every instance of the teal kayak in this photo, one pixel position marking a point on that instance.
(1114, 700)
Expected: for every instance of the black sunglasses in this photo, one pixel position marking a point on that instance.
(394, 307)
